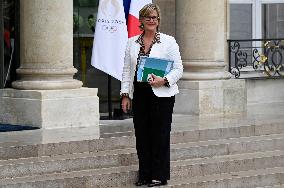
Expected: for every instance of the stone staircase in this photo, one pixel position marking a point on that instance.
(248, 156)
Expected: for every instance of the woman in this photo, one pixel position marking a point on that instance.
(153, 102)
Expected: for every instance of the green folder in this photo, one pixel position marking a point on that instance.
(152, 65)
(148, 71)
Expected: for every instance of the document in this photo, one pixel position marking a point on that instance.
(152, 65)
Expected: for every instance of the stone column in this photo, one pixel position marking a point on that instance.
(46, 33)
(201, 33)
(46, 95)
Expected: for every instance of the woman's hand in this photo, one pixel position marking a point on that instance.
(125, 104)
(156, 81)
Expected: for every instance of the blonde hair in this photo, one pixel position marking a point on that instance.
(146, 11)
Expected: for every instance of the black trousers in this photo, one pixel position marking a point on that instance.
(152, 117)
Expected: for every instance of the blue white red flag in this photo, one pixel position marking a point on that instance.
(111, 33)
(133, 17)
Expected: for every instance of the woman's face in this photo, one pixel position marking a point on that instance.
(151, 21)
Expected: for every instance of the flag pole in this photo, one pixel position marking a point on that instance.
(109, 97)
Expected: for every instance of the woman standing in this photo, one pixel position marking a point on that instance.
(152, 101)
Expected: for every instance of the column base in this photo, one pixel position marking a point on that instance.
(47, 85)
(212, 97)
(205, 70)
(222, 75)
(50, 108)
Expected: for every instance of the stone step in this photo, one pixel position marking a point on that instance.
(227, 164)
(18, 150)
(264, 178)
(67, 163)
(232, 165)
(272, 186)
(125, 157)
(170, 182)
(14, 147)
(242, 179)
(228, 146)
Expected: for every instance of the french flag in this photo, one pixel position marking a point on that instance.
(117, 20)
(133, 15)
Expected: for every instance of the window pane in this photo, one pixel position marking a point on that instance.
(84, 16)
(241, 28)
(240, 21)
(273, 20)
(273, 27)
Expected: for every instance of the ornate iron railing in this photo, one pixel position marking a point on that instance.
(256, 58)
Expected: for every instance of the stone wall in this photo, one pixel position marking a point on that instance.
(260, 91)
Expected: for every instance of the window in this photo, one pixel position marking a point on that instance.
(260, 20)
(241, 21)
(273, 20)
(256, 18)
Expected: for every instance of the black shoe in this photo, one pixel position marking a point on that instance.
(157, 183)
(141, 182)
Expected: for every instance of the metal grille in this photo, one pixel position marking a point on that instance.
(256, 58)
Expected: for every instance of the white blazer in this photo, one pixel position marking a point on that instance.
(169, 49)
